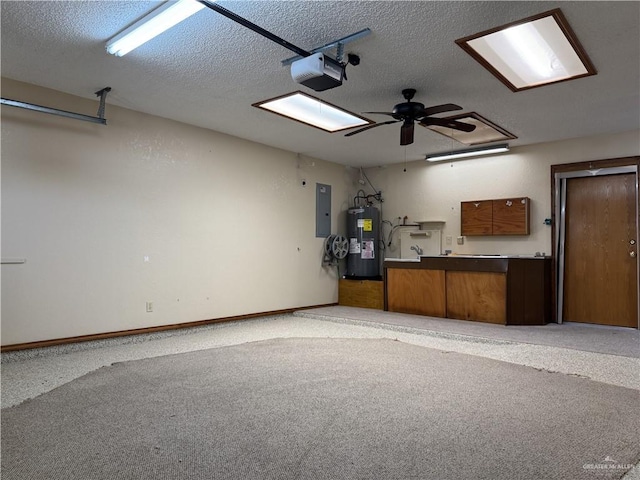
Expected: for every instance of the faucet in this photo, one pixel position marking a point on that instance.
(417, 249)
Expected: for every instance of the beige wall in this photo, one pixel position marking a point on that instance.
(226, 224)
(433, 191)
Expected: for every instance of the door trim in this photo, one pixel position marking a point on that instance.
(559, 189)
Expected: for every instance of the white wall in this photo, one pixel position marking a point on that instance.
(226, 224)
(433, 191)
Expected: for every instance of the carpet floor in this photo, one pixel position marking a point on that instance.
(609, 340)
(318, 408)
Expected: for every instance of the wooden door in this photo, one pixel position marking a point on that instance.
(600, 272)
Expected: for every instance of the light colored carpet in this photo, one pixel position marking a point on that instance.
(322, 409)
(609, 340)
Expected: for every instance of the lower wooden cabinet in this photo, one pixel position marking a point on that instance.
(361, 293)
(502, 290)
(480, 296)
(416, 291)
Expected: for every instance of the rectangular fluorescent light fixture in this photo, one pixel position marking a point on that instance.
(312, 111)
(485, 131)
(151, 25)
(532, 52)
(472, 152)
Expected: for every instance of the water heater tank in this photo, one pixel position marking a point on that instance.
(363, 233)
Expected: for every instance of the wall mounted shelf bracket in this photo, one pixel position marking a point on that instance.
(63, 113)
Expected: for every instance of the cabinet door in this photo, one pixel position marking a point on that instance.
(529, 287)
(511, 216)
(479, 296)
(414, 290)
(476, 218)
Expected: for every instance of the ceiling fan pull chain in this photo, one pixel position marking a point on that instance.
(405, 159)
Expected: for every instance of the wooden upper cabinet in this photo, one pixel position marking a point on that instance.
(477, 217)
(506, 216)
(511, 216)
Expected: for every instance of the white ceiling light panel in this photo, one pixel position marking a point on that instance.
(312, 111)
(532, 52)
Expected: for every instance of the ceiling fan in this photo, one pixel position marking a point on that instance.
(410, 112)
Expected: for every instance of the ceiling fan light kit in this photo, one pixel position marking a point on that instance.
(471, 152)
(152, 25)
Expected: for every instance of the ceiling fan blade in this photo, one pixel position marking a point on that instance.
(406, 133)
(380, 113)
(370, 126)
(443, 122)
(447, 107)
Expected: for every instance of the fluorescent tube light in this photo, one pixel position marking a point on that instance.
(473, 152)
(312, 111)
(531, 52)
(153, 24)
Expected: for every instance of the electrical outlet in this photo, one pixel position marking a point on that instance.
(448, 240)
(149, 307)
(460, 240)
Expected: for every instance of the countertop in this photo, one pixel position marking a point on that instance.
(479, 256)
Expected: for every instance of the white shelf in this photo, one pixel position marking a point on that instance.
(431, 224)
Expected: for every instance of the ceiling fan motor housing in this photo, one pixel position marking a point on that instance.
(407, 110)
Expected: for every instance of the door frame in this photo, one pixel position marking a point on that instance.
(559, 176)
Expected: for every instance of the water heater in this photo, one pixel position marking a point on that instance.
(363, 234)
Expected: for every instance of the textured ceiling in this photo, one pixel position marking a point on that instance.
(208, 70)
